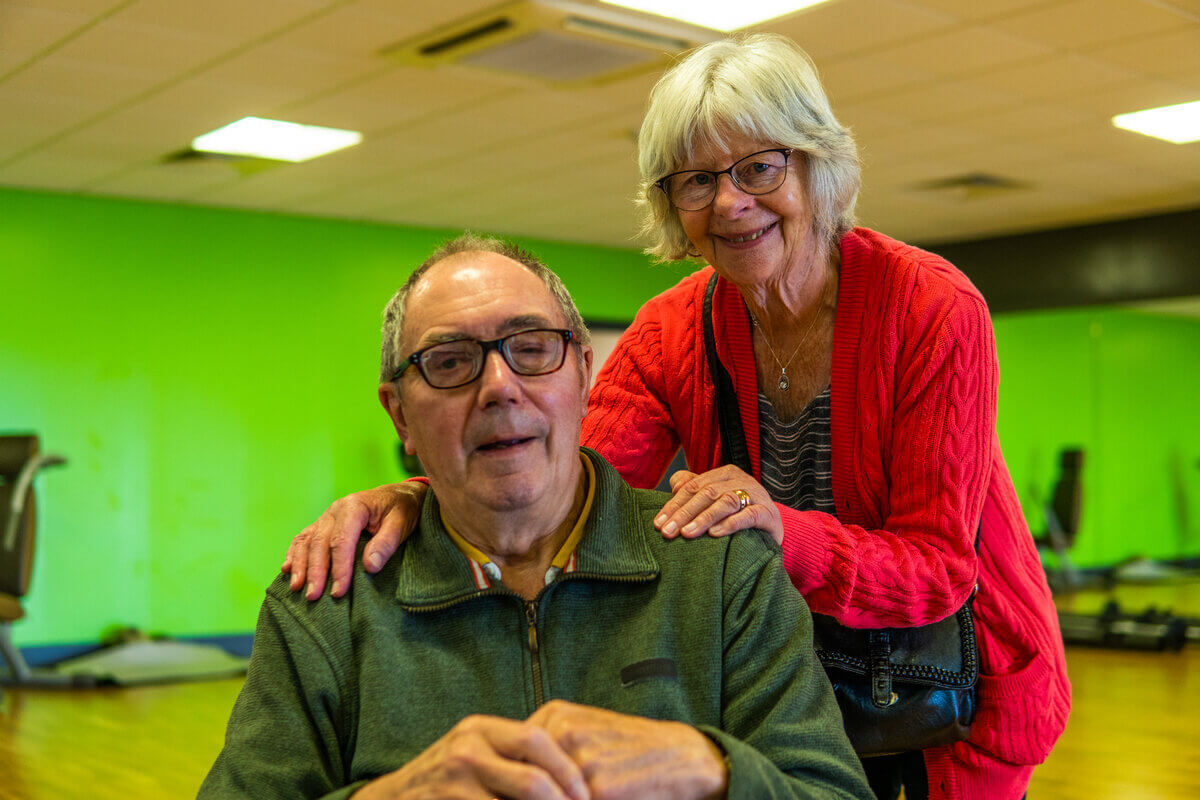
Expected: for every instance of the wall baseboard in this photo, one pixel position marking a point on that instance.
(237, 644)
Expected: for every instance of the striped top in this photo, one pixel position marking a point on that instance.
(797, 462)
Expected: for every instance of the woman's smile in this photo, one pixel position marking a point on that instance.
(748, 239)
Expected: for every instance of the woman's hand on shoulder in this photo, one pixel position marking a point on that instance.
(326, 547)
(709, 502)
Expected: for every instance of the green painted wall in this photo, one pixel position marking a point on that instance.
(1125, 386)
(210, 375)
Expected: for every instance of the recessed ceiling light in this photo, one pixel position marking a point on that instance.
(723, 15)
(272, 138)
(1178, 123)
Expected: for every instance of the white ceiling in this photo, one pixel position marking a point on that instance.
(95, 93)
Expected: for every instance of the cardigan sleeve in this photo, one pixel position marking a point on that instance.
(931, 419)
(628, 420)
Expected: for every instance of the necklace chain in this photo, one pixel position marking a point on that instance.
(784, 382)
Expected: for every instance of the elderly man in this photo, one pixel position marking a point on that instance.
(535, 638)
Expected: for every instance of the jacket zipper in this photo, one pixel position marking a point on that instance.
(539, 694)
(535, 662)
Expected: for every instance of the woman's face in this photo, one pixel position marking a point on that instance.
(749, 239)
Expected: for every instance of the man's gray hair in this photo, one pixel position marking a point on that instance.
(762, 86)
(393, 312)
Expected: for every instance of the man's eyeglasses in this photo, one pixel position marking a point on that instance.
(757, 173)
(448, 365)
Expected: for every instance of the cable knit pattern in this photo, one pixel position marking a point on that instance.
(916, 464)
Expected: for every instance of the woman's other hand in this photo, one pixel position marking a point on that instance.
(327, 546)
(709, 503)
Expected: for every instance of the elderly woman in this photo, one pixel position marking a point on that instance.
(865, 377)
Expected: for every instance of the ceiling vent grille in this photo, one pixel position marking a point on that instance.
(561, 43)
(971, 186)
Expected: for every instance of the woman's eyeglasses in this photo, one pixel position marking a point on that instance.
(757, 173)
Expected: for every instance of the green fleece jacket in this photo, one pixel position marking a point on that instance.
(708, 632)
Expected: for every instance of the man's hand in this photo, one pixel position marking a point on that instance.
(634, 758)
(388, 512)
(482, 758)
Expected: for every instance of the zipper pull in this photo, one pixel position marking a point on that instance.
(531, 618)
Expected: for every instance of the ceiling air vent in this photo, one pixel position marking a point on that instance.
(557, 42)
(971, 186)
(242, 165)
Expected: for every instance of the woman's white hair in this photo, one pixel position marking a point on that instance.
(761, 86)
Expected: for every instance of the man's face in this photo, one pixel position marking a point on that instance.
(504, 442)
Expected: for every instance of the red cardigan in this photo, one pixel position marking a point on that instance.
(916, 462)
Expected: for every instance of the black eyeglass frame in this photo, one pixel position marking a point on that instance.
(661, 183)
(486, 346)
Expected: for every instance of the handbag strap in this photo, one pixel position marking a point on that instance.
(733, 437)
(733, 451)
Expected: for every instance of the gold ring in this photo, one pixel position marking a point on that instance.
(743, 498)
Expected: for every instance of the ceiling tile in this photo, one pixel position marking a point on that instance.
(932, 220)
(1189, 6)
(1030, 121)
(964, 51)
(1059, 75)
(868, 123)
(1175, 164)
(604, 143)
(55, 171)
(945, 100)
(530, 168)
(30, 117)
(421, 16)
(162, 52)
(1118, 180)
(1087, 24)
(481, 125)
(932, 89)
(300, 73)
(980, 9)
(861, 77)
(392, 99)
(234, 20)
(365, 27)
(1024, 161)
(545, 213)
(86, 7)
(1168, 55)
(347, 31)
(280, 184)
(86, 88)
(166, 181)
(27, 30)
(1109, 101)
(225, 101)
(111, 149)
(351, 203)
(155, 135)
(858, 26)
(627, 95)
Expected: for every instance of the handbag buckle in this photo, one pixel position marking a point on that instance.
(880, 653)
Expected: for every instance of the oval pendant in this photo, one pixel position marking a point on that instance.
(784, 383)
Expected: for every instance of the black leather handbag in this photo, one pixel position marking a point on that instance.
(899, 689)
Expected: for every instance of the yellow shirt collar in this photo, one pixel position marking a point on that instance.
(563, 561)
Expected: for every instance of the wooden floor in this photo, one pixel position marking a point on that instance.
(1134, 732)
